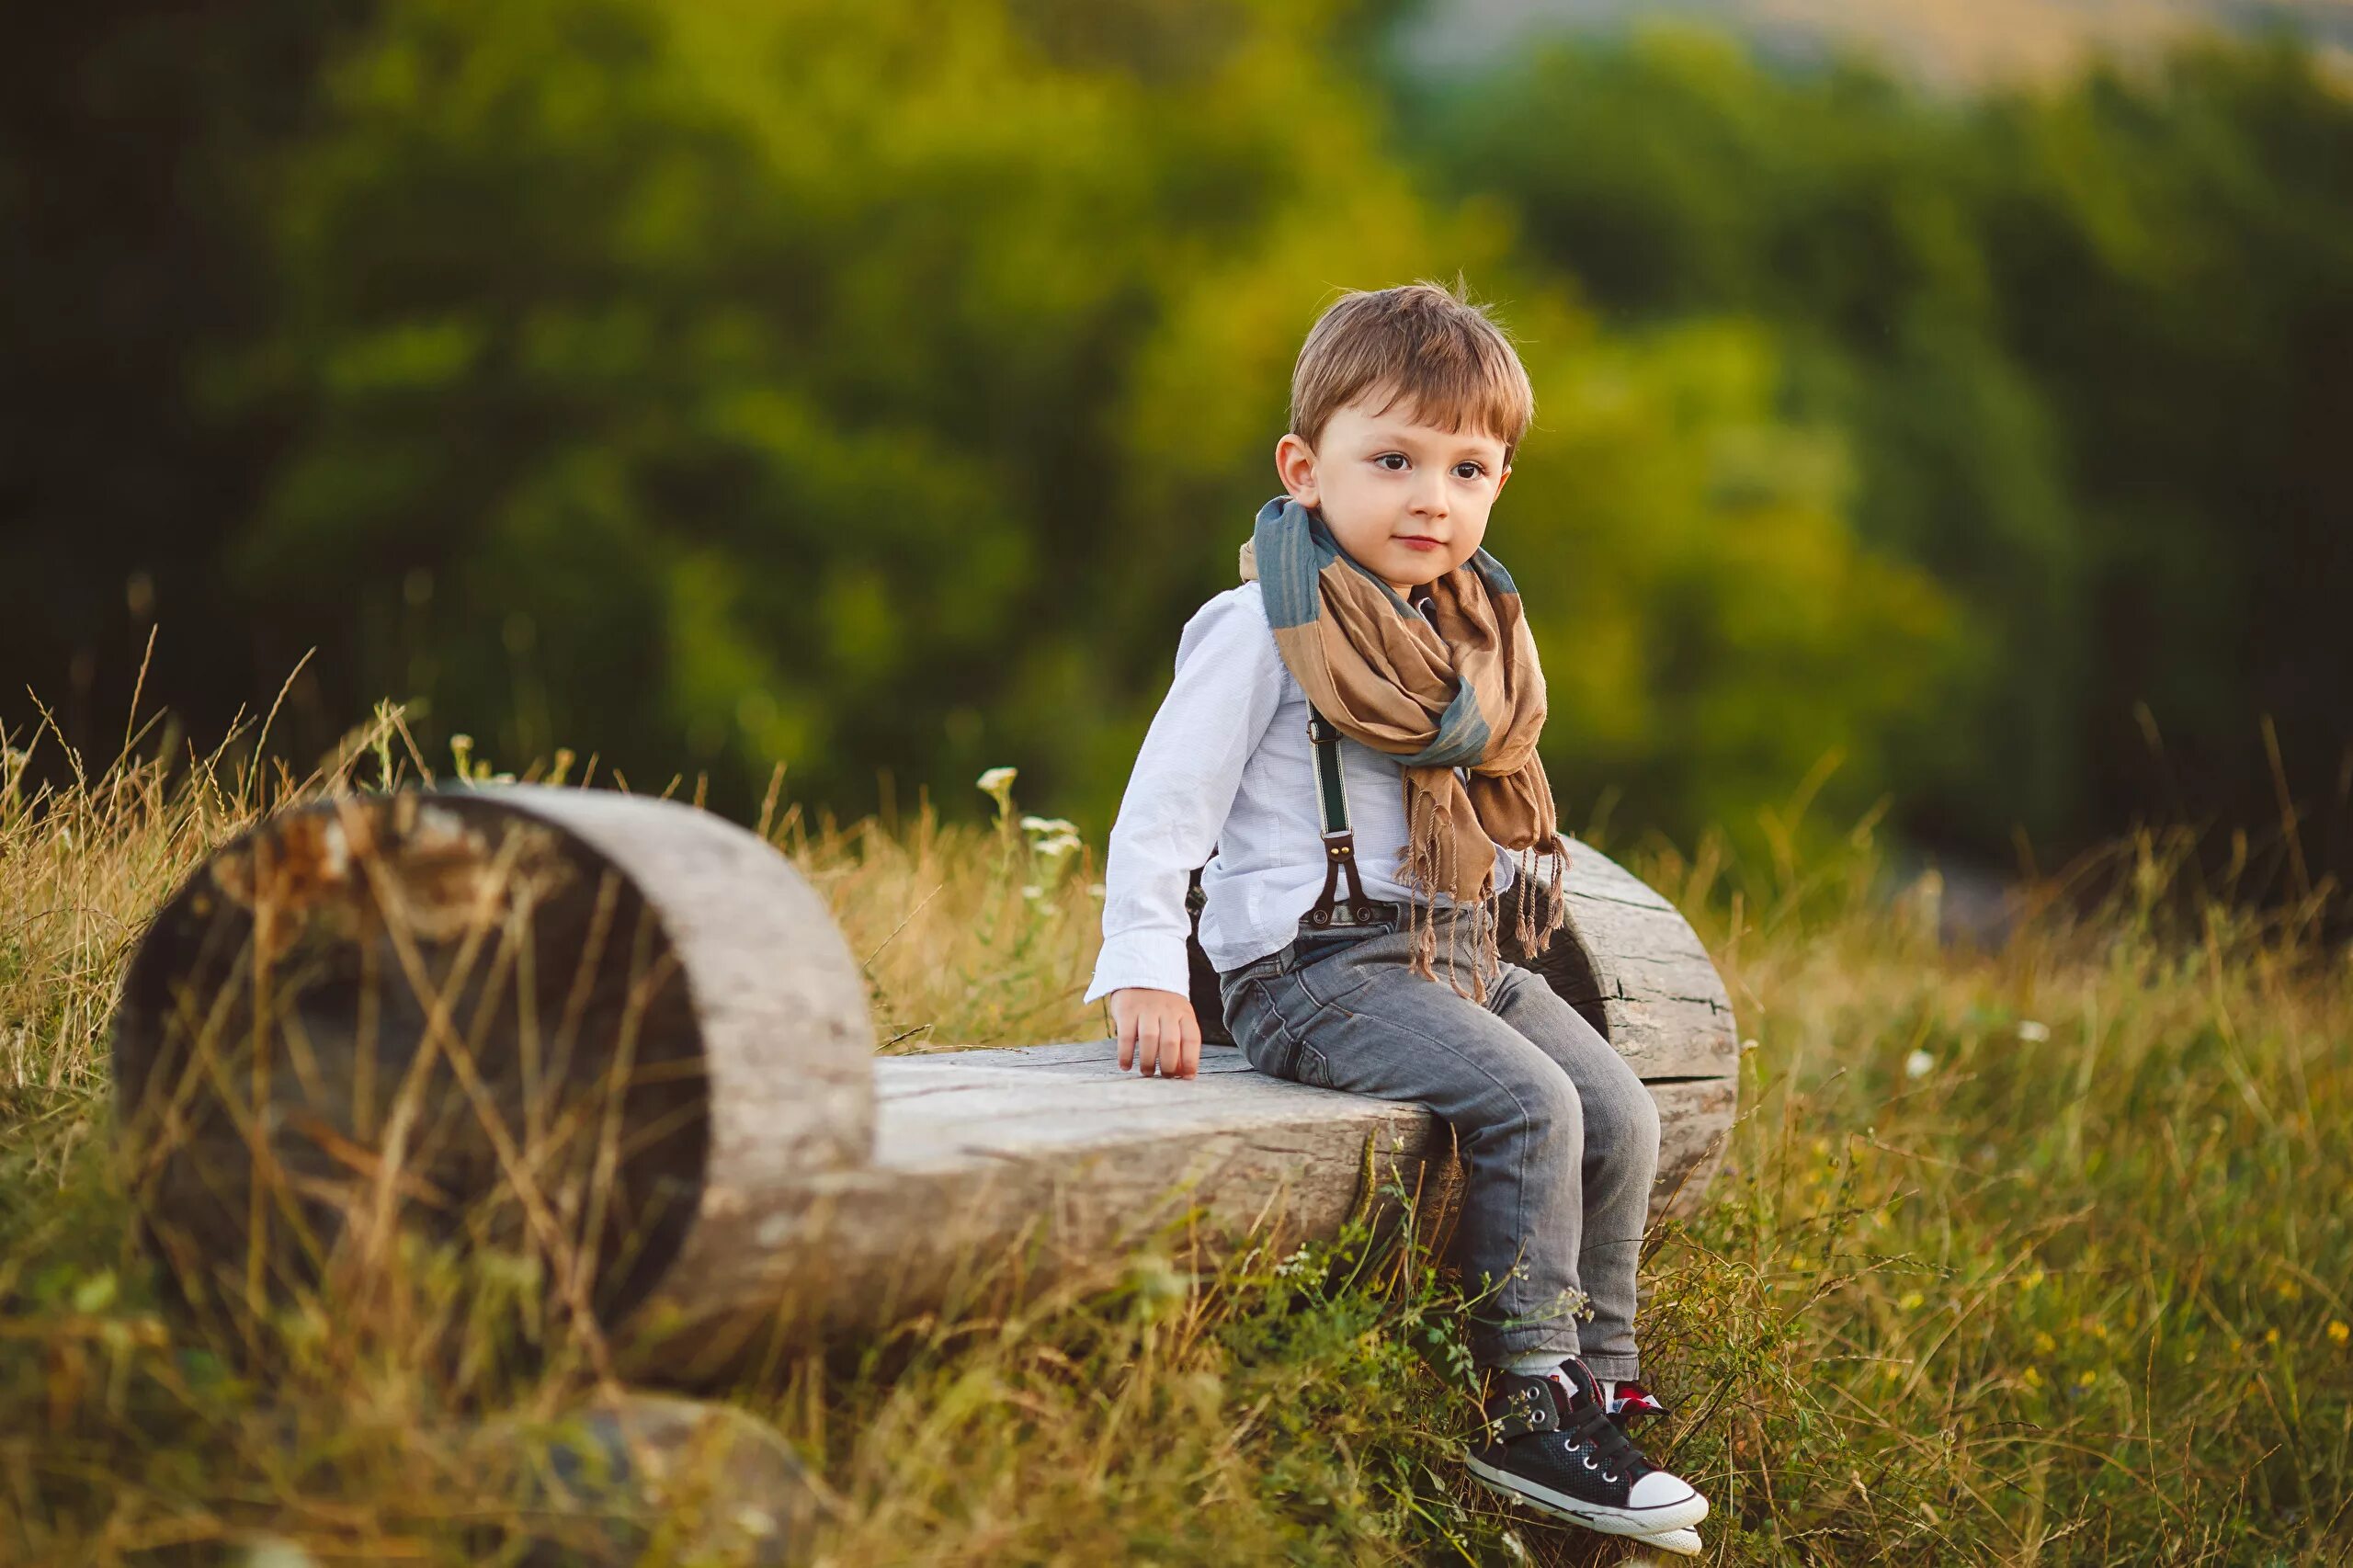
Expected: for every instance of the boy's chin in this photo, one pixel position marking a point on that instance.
(1406, 585)
(1422, 573)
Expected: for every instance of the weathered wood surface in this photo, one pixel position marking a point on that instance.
(632, 1031)
(998, 1171)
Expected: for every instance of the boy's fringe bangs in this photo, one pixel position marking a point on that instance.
(1433, 351)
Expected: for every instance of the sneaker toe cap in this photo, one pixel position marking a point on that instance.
(1660, 1489)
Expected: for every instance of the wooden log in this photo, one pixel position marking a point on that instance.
(571, 1022)
(626, 1036)
(998, 1171)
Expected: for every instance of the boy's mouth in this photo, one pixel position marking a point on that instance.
(1418, 541)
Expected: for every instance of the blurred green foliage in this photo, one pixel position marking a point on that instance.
(2091, 348)
(879, 384)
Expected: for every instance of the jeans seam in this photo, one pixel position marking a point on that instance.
(1299, 978)
(1589, 1242)
(1282, 1026)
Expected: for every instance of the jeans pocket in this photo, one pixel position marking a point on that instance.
(1312, 1066)
(1250, 1020)
(1338, 967)
(1267, 1039)
(1313, 948)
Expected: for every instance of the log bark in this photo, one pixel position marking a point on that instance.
(626, 1036)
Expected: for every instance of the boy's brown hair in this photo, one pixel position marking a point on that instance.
(1442, 355)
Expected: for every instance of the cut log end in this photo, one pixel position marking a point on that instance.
(459, 1013)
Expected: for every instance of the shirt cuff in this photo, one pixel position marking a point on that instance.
(1154, 959)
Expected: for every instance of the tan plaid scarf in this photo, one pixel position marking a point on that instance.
(1466, 691)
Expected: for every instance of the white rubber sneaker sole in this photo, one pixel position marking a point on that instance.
(1597, 1517)
(1683, 1543)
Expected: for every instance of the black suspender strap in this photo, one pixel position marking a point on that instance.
(1331, 782)
(1330, 912)
(1339, 838)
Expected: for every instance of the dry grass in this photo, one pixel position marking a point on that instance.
(2039, 1256)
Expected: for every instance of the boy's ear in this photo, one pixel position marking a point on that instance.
(1503, 477)
(1295, 466)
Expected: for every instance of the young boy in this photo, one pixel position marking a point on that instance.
(1367, 597)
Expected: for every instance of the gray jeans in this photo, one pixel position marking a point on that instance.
(1558, 1134)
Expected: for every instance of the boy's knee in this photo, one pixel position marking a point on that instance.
(1549, 1106)
(1629, 1129)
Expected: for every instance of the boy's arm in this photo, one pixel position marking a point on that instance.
(1228, 680)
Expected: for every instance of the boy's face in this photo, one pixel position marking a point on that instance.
(1407, 501)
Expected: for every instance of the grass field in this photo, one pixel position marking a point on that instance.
(2036, 1257)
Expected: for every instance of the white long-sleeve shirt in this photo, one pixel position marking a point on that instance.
(1227, 762)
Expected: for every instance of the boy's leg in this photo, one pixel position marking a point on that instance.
(1355, 1018)
(1620, 1158)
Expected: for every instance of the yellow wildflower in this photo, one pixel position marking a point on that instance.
(2044, 1343)
(2338, 1333)
(2033, 1378)
(1909, 1299)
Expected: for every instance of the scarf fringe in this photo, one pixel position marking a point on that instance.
(1534, 936)
(1431, 865)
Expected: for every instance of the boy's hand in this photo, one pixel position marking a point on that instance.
(1158, 1028)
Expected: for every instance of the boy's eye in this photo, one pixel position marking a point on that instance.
(1476, 467)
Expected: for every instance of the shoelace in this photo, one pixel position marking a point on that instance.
(1609, 1451)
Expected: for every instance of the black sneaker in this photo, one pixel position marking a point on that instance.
(1629, 1402)
(1549, 1442)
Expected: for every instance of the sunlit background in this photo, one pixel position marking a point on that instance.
(1941, 421)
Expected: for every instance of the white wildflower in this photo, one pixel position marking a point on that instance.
(1919, 1064)
(2030, 1031)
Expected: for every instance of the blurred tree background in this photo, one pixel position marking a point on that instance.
(875, 386)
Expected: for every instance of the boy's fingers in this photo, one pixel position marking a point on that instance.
(1172, 1046)
(1127, 1041)
(1153, 1044)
